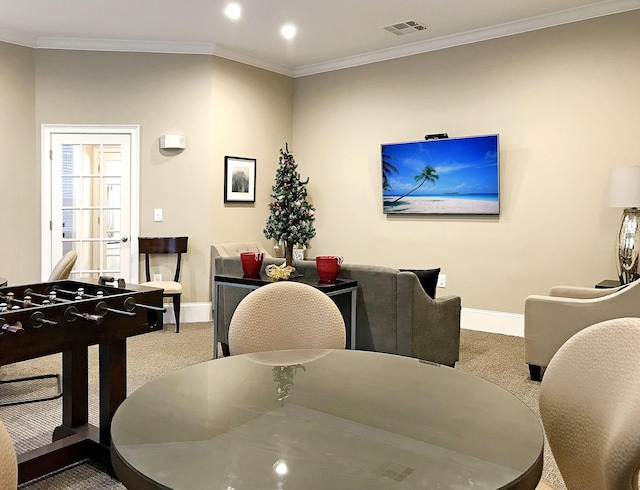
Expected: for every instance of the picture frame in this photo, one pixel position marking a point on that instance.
(239, 179)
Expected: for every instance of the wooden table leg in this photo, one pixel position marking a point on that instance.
(75, 387)
(113, 383)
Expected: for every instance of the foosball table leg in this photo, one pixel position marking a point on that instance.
(75, 391)
(113, 383)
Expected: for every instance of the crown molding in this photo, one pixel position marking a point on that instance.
(13, 37)
(230, 54)
(478, 35)
(123, 45)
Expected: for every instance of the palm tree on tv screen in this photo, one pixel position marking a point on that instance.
(387, 168)
(428, 174)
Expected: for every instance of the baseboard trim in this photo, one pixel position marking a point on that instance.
(470, 319)
(492, 321)
(189, 313)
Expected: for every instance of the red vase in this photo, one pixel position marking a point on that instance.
(328, 267)
(251, 263)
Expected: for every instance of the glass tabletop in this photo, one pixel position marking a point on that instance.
(325, 419)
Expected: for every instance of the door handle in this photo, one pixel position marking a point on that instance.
(115, 242)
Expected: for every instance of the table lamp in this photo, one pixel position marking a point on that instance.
(624, 192)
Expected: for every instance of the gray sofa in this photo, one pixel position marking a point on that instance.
(394, 314)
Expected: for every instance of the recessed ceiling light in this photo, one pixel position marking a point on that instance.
(288, 31)
(233, 11)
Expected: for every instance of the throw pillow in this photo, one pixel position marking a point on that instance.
(428, 279)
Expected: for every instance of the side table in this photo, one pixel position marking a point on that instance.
(608, 283)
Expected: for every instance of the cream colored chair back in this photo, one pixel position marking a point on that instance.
(286, 315)
(236, 248)
(8, 461)
(590, 406)
(62, 269)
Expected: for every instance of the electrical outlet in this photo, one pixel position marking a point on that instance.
(157, 277)
(157, 214)
(442, 280)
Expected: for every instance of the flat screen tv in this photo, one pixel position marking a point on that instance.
(442, 176)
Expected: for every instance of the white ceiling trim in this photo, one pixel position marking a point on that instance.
(230, 54)
(123, 45)
(478, 35)
(12, 37)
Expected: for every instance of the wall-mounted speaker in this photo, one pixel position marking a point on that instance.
(173, 142)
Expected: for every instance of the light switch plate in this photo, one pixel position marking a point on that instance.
(157, 214)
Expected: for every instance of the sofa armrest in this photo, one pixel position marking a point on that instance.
(580, 293)
(434, 323)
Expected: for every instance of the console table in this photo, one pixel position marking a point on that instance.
(341, 286)
(608, 283)
(324, 419)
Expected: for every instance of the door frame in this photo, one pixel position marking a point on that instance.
(47, 130)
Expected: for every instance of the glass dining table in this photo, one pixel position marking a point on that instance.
(324, 419)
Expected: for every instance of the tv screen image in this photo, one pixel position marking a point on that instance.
(442, 176)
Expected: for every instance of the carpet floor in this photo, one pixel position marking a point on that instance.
(496, 358)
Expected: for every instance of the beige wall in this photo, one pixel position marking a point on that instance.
(19, 184)
(223, 108)
(566, 104)
(564, 100)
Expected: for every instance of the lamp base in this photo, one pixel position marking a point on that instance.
(629, 246)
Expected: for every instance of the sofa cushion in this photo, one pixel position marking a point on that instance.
(428, 279)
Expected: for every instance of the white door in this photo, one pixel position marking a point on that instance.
(90, 200)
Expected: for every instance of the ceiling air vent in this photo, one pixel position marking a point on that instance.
(407, 27)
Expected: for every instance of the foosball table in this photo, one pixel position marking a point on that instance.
(69, 316)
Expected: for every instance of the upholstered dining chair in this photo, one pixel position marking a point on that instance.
(589, 405)
(8, 461)
(286, 315)
(165, 245)
(63, 268)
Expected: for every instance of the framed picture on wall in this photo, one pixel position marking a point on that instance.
(239, 179)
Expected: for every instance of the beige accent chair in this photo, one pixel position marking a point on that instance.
(8, 461)
(589, 405)
(286, 315)
(235, 249)
(549, 321)
(63, 268)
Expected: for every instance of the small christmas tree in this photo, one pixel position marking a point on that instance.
(291, 219)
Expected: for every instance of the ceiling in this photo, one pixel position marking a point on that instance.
(331, 34)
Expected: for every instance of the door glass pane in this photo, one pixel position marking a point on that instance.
(112, 159)
(112, 224)
(112, 256)
(69, 220)
(71, 159)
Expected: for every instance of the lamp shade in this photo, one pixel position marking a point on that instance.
(624, 187)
